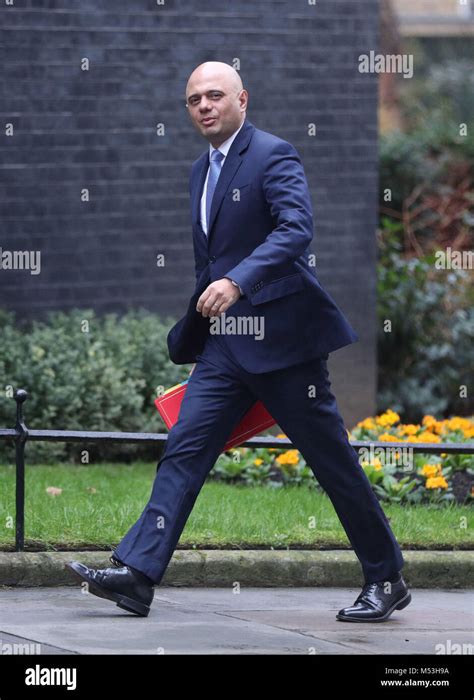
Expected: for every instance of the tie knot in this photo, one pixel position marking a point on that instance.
(216, 156)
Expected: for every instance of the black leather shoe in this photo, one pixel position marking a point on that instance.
(376, 602)
(129, 588)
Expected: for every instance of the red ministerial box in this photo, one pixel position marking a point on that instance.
(255, 420)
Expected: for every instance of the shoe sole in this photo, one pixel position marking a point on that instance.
(122, 601)
(398, 606)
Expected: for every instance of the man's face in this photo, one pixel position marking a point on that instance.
(216, 107)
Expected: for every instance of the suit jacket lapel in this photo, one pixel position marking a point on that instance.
(231, 165)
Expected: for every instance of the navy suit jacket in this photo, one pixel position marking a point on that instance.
(259, 233)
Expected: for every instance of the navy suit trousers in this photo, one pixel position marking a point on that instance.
(218, 394)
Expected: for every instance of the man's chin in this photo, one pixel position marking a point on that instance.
(213, 128)
(211, 133)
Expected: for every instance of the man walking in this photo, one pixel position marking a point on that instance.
(259, 326)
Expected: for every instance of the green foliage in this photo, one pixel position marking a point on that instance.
(103, 378)
(396, 490)
(426, 355)
(438, 99)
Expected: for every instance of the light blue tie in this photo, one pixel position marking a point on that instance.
(214, 172)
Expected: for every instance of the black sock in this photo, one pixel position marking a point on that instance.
(395, 578)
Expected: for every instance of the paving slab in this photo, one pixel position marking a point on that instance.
(230, 620)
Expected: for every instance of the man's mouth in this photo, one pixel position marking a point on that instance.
(208, 120)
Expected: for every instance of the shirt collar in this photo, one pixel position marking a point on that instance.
(224, 147)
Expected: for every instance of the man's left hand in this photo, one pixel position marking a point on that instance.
(217, 298)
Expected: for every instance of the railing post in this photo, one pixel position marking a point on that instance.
(20, 440)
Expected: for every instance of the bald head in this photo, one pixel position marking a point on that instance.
(216, 70)
(216, 101)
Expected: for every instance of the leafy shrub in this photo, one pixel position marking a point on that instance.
(427, 353)
(84, 372)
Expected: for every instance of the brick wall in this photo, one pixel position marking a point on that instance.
(97, 130)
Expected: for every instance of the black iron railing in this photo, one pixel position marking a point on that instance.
(21, 434)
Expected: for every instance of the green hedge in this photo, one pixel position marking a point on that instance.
(104, 377)
(429, 352)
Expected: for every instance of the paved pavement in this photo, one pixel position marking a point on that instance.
(64, 620)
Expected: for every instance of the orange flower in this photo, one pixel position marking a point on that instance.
(409, 429)
(386, 437)
(289, 457)
(387, 418)
(436, 482)
(428, 436)
(457, 423)
(367, 424)
(431, 470)
(432, 424)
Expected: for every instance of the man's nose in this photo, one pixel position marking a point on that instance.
(204, 105)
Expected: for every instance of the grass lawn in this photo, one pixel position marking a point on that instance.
(99, 503)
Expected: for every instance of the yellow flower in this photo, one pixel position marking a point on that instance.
(281, 436)
(376, 464)
(430, 470)
(367, 424)
(442, 425)
(457, 423)
(436, 482)
(409, 429)
(258, 461)
(432, 424)
(288, 457)
(428, 436)
(468, 432)
(386, 437)
(387, 418)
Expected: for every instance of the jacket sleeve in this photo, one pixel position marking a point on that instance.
(286, 191)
